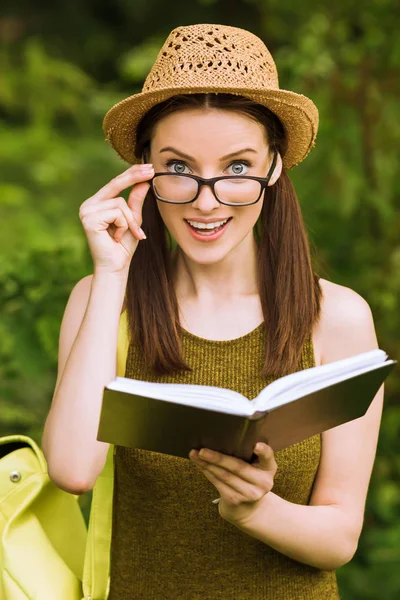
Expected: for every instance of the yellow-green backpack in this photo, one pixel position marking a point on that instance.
(46, 552)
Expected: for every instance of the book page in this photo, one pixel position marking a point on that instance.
(305, 389)
(201, 396)
(316, 377)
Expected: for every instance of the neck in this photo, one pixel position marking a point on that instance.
(234, 276)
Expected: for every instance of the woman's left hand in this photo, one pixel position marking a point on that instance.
(241, 485)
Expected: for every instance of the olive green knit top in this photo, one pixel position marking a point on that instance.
(168, 540)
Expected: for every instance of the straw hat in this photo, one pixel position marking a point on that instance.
(215, 58)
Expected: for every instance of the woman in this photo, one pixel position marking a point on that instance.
(219, 290)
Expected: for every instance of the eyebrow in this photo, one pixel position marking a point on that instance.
(226, 157)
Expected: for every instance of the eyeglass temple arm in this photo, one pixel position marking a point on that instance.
(273, 165)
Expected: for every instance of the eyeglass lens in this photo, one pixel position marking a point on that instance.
(184, 189)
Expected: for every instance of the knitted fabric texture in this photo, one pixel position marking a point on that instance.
(168, 540)
(215, 58)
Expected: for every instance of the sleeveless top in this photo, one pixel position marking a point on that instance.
(168, 540)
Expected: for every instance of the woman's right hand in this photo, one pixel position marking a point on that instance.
(112, 225)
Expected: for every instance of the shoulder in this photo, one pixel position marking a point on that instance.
(346, 325)
(342, 306)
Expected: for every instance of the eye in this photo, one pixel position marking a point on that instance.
(239, 167)
(177, 166)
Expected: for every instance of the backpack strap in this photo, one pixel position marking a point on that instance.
(122, 345)
(96, 571)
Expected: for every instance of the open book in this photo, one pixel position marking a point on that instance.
(174, 418)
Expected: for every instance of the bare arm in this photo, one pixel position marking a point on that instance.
(87, 362)
(89, 333)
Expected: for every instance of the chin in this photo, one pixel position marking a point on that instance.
(207, 253)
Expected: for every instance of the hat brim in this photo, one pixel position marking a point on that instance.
(298, 114)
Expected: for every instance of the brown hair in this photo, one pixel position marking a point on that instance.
(289, 290)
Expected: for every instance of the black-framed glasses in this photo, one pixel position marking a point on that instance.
(231, 190)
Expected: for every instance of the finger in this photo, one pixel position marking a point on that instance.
(228, 493)
(120, 203)
(266, 457)
(248, 491)
(133, 175)
(102, 221)
(136, 199)
(241, 468)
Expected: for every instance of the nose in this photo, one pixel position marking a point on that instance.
(206, 201)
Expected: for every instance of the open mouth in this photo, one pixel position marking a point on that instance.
(207, 229)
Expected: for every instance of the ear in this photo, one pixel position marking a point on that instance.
(277, 171)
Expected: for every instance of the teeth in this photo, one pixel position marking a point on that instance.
(199, 225)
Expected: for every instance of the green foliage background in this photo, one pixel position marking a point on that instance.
(64, 64)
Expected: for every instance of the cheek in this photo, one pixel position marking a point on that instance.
(252, 214)
(169, 214)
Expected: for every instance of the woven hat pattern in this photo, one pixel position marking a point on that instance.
(195, 56)
(210, 59)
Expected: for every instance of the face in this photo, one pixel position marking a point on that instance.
(197, 142)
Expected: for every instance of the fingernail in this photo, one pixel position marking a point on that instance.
(258, 448)
(143, 235)
(146, 167)
(205, 453)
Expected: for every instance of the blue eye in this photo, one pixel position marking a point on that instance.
(238, 167)
(178, 166)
